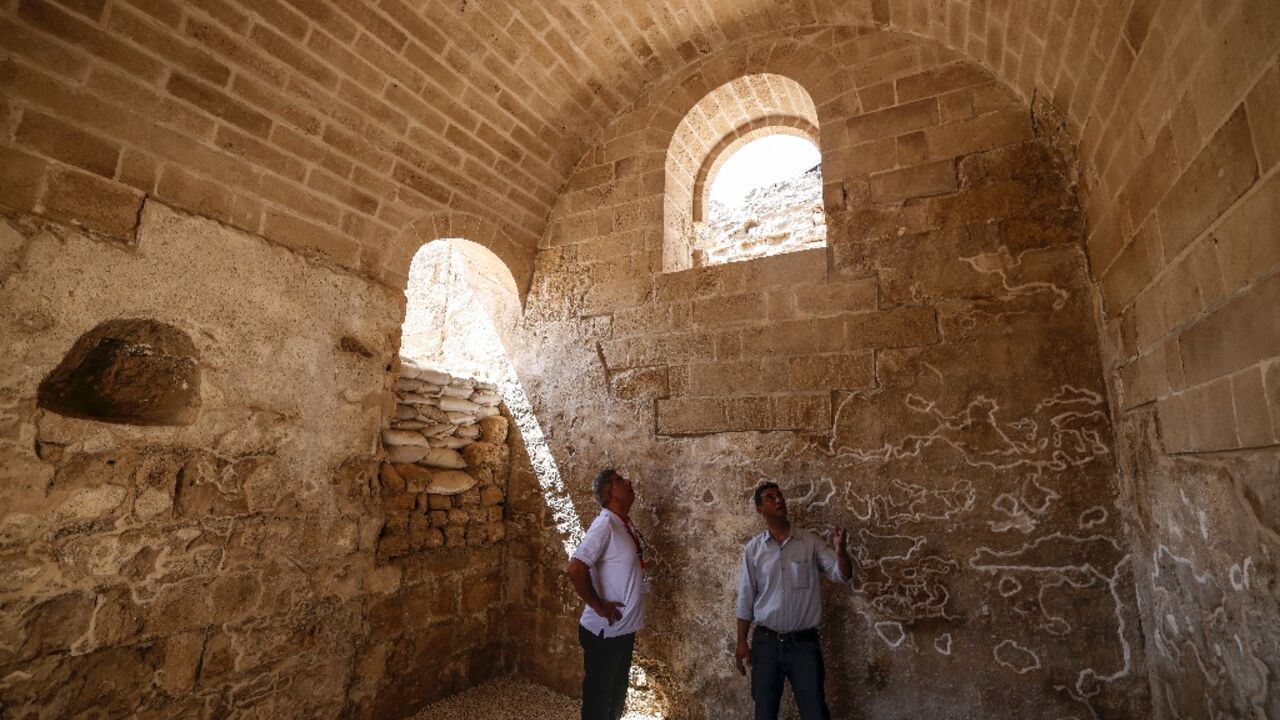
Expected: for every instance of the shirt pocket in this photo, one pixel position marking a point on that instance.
(798, 572)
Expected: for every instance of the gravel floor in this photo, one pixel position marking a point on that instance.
(509, 699)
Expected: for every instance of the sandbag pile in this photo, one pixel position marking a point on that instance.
(447, 461)
(437, 415)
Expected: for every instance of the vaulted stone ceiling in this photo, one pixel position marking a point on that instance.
(559, 71)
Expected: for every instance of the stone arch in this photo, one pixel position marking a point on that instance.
(736, 140)
(713, 105)
(516, 260)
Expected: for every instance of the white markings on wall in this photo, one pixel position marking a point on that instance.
(1093, 517)
(942, 644)
(1017, 658)
(891, 632)
(1009, 586)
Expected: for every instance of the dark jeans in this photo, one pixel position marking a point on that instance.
(800, 662)
(606, 670)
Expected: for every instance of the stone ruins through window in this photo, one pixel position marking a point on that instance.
(764, 199)
(741, 119)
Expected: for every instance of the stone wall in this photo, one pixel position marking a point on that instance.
(232, 558)
(931, 381)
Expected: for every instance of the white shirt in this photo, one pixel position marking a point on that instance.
(778, 584)
(611, 555)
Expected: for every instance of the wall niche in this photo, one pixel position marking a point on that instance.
(128, 371)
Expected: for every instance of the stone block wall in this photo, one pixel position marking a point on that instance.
(931, 380)
(236, 556)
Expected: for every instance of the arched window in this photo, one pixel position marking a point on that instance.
(783, 214)
(462, 303)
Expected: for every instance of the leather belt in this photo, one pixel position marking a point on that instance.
(809, 634)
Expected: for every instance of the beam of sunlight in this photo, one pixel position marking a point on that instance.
(643, 701)
(483, 336)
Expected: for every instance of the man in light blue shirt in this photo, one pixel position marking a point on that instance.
(778, 591)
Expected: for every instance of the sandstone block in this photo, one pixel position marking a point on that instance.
(62, 141)
(1223, 170)
(740, 377)
(483, 454)
(497, 531)
(1253, 417)
(919, 181)
(798, 337)
(1133, 269)
(477, 534)
(439, 518)
(836, 297)
(20, 178)
(91, 201)
(1005, 127)
(1247, 244)
(940, 80)
(470, 498)
(493, 429)
(679, 416)
(731, 310)
(455, 536)
(1238, 334)
(182, 654)
(831, 372)
(897, 120)
(459, 517)
(802, 412)
(900, 327)
(636, 383)
(491, 495)
(1264, 117)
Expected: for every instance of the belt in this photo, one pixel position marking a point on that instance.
(810, 634)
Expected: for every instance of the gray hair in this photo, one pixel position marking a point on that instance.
(600, 486)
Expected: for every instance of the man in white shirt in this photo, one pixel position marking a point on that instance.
(778, 591)
(607, 572)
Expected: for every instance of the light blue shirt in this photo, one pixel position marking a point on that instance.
(778, 584)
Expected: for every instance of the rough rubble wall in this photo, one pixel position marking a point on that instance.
(931, 382)
(229, 564)
(784, 217)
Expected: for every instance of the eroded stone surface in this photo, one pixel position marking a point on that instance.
(252, 557)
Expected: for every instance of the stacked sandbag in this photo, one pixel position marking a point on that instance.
(447, 462)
